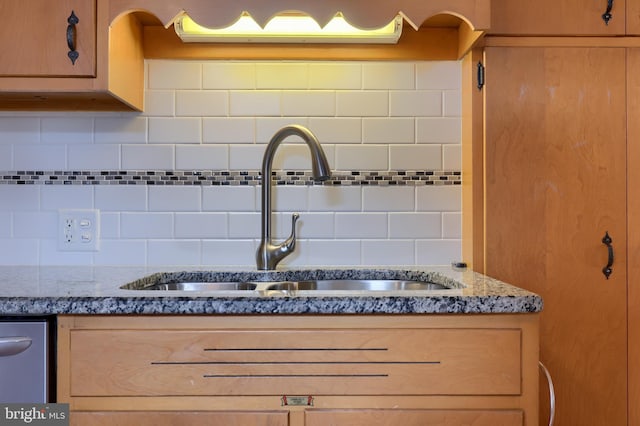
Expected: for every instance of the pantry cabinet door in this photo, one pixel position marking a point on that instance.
(552, 17)
(36, 38)
(555, 154)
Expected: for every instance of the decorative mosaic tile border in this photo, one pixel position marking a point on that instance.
(208, 177)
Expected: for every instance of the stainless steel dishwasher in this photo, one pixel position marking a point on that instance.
(26, 361)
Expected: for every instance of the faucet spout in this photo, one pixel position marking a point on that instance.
(269, 254)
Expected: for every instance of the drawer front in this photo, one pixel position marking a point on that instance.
(414, 417)
(182, 418)
(296, 362)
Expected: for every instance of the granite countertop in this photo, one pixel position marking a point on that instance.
(96, 290)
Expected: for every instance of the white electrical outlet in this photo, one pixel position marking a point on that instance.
(79, 230)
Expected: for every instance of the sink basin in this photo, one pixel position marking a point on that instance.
(306, 283)
(354, 285)
(202, 286)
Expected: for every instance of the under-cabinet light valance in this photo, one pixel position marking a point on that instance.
(288, 28)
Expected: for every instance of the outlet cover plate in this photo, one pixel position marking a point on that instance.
(79, 230)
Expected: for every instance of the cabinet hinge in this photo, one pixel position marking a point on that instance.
(480, 74)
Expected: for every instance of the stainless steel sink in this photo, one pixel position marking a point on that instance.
(354, 285)
(201, 286)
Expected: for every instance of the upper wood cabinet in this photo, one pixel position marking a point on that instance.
(37, 73)
(566, 17)
(47, 48)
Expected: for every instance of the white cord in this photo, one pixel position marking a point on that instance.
(552, 394)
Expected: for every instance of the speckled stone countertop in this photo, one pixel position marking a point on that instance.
(96, 290)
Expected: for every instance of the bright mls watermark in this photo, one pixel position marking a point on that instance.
(34, 414)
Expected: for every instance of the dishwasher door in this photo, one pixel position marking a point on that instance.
(24, 360)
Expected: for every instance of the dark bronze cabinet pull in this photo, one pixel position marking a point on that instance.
(71, 37)
(606, 240)
(606, 16)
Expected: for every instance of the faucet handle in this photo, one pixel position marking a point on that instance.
(294, 220)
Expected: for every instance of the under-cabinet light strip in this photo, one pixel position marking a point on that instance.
(235, 178)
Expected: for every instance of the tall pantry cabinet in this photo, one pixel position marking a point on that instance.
(560, 171)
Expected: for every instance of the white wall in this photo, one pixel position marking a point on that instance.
(218, 115)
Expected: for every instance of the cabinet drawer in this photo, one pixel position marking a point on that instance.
(182, 418)
(414, 417)
(296, 362)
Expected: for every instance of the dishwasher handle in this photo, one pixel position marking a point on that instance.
(10, 346)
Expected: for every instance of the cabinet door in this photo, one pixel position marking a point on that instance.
(397, 417)
(182, 418)
(33, 38)
(552, 17)
(555, 183)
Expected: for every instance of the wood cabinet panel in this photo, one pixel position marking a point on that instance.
(296, 362)
(413, 417)
(33, 38)
(555, 183)
(551, 17)
(173, 418)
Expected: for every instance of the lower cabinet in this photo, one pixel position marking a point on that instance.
(299, 370)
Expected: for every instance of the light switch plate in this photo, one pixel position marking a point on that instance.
(79, 230)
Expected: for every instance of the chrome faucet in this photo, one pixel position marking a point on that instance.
(270, 254)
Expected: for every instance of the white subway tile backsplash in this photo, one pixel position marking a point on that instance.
(64, 130)
(286, 75)
(121, 252)
(388, 75)
(388, 130)
(451, 225)
(452, 103)
(415, 225)
(196, 103)
(331, 130)
(35, 225)
(200, 225)
(93, 157)
(175, 130)
(452, 157)
(202, 157)
(19, 198)
(39, 157)
(147, 157)
(121, 197)
(229, 252)
(55, 197)
(176, 198)
(262, 103)
(159, 103)
(335, 198)
(388, 252)
(438, 252)
(205, 116)
(439, 198)
(224, 75)
(244, 225)
(229, 198)
(415, 157)
(439, 75)
(319, 103)
(335, 76)
(19, 251)
(411, 103)
(146, 225)
(19, 130)
(388, 198)
(6, 157)
(6, 224)
(439, 130)
(228, 130)
(361, 225)
(177, 75)
(354, 157)
(119, 130)
(174, 252)
(362, 103)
